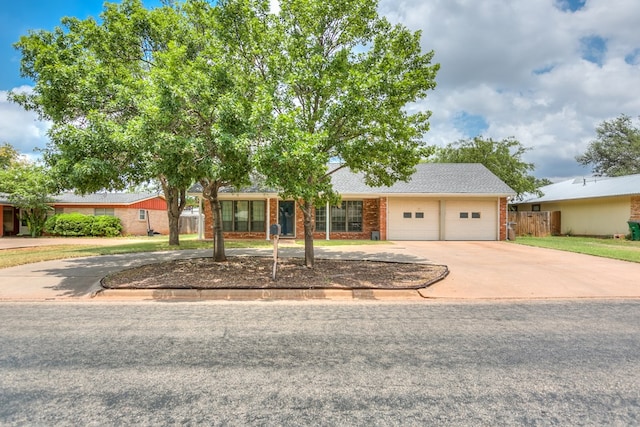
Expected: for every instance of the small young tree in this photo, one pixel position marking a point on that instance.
(29, 188)
(8, 155)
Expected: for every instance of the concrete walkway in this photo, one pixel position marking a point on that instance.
(478, 270)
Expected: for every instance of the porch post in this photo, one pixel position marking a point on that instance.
(200, 219)
(268, 225)
(327, 221)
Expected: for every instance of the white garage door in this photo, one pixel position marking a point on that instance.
(471, 220)
(413, 219)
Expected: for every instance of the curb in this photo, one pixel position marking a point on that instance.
(258, 294)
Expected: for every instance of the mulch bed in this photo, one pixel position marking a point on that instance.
(256, 273)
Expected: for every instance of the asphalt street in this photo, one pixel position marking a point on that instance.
(320, 363)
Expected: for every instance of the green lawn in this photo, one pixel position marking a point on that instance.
(625, 250)
(13, 257)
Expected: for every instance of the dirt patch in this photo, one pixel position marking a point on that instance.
(256, 273)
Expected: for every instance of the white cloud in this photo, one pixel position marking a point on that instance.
(20, 128)
(518, 64)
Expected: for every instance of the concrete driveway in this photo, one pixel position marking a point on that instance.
(508, 270)
(478, 270)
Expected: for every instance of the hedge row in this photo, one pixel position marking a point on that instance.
(76, 224)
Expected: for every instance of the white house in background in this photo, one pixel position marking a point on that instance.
(598, 206)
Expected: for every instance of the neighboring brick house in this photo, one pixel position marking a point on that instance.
(138, 212)
(440, 202)
(595, 206)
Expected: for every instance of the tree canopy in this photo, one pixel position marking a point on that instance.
(338, 78)
(140, 95)
(616, 149)
(503, 158)
(194, 92)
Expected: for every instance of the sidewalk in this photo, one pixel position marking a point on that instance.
(478, 271)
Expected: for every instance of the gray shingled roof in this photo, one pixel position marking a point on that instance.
(103, 198)
(429, 178)
(588, 188)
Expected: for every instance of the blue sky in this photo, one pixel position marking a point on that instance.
(545, 72)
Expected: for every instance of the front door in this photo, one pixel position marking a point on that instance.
(8, 221)
(287, 218)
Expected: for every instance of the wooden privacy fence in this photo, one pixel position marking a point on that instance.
(538, 224)
(188, 224)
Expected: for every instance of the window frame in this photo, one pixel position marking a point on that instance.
(233, 210)
(104, 212)
(346, 218)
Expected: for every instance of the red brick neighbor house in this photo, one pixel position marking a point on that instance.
(440, 202)
(138, 212)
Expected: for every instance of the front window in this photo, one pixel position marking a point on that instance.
(346, 218)
(243, 215)
(103, 211)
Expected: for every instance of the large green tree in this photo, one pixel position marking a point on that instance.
(203, 99)
(93, 81)
(503, 158)
(616, 149)
(339, 79)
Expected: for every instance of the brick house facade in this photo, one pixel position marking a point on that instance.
(440, 202)
(138, 212)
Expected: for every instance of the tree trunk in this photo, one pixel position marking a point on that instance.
(309, 257)
(218, 234)
(210, 192)
(176, 201)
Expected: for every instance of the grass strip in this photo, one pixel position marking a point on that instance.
(20, 256)
(624, 250)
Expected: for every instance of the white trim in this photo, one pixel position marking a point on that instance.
(200, 219)
(268, 225)
(327, 221)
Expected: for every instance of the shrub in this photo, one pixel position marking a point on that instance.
(50, 225)
(104, 225)
(76, 224)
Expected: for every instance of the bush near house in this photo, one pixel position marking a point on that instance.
(75, 224)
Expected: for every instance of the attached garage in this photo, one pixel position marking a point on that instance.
(470, 219)
(414, 219)
(442, 219)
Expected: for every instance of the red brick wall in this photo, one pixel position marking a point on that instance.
(382, 219)
(372, 220)
(635, 208)
(503, 218)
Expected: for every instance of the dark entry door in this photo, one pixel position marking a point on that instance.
(287, 218)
